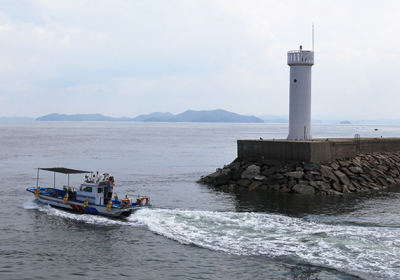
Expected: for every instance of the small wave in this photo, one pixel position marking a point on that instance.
(353, 249)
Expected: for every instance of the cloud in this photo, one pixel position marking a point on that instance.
(145, 56)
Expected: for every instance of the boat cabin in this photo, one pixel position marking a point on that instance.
(96, 192)
(98, 188)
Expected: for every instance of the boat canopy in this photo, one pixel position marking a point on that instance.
(65, 170)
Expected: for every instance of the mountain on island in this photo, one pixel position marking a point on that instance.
(188, 116)
(156, 115)
(206, 116)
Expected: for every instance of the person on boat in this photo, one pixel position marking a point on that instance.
(110, 187)
(71, 194)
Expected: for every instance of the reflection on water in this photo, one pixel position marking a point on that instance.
(303, 205)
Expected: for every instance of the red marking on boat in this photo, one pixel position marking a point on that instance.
(73, 206)
(80, 208)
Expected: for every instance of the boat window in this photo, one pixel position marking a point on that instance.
(99, 190)
(87, 189)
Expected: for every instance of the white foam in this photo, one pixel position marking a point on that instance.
(366, 250)
(34, 204)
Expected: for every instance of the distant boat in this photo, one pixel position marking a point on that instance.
(94, 196)
(376, 129)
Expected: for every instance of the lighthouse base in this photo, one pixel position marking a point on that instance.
(318, 150)
(304, 137)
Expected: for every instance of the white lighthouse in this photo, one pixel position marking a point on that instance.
(300, 63)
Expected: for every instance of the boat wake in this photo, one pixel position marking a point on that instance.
(364, 251)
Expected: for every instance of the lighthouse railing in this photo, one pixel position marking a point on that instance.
(300, 57)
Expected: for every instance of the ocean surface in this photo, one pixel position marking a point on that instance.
(192, 231)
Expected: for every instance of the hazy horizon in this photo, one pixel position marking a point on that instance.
(127, 58)
(265, 117)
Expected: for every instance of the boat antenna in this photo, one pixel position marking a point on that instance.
(313, 37)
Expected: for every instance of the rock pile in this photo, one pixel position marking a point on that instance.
(343, 176)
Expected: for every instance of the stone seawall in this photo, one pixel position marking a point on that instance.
(343, 176)
(317, 150)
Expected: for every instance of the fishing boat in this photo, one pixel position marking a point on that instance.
(93, 196)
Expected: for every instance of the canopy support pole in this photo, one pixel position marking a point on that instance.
(37, 178)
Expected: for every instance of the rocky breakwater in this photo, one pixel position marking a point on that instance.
(343, 176)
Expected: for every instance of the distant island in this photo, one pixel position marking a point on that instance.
(217, 116)
(201, 116)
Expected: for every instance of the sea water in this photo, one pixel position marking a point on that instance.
(192, 231)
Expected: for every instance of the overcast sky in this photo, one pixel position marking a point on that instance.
(126, 58)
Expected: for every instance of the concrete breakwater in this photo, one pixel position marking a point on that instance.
(341, 176)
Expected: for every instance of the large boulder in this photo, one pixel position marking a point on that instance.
(291, 183)
(251, 171)
(285, 189)
(244, 183)
(357, 162)
(274, 188)
(346, 171)
(255, 185)
(223, 178)
(335, 166)
(234, 166)
(343, 163)
(322, 186)
(342, 177)
(336, 185)
(295, 174)
(269, 171)
(383, 168)
(238, 174)
(303, 189)
(309, 177)
(356, 170)
(310, 166)
(368, 178)
(202, 180)
(220, 177)
(276, 179)
(390, 179)
(327, 173)
(333, 192)
(260, 178)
